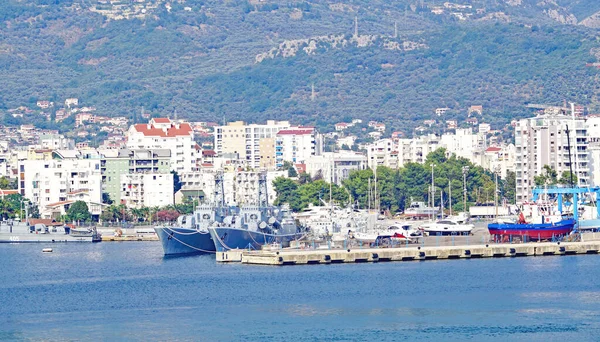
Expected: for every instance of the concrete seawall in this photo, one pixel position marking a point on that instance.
(306, 257)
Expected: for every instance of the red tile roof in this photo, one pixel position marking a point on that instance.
(493, 149)
(209, 153)
(173, 131)
(8, 192)
(77, 191)
(161, 120)
(295, 131)
(58, 204)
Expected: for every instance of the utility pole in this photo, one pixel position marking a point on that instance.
(465, 169)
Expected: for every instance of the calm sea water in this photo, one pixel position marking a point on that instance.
(128, 291)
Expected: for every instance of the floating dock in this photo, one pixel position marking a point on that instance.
(332, 256)
(106, 238)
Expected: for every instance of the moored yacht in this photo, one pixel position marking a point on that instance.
(447, 227)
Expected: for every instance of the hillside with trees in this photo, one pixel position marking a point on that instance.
(215, 60)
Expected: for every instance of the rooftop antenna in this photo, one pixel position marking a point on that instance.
(175, 115)
(356, 26)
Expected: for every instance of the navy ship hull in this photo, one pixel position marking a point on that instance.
(226, 238)
(182, 241)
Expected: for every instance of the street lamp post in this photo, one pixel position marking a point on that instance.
(465, 169)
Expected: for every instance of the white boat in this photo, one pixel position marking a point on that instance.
(447, 227)
(419, 210)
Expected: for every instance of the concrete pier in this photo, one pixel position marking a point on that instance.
(326, 256)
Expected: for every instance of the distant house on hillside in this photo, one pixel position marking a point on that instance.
(475, 109)
(45, 104)
(441, 111)
(341, 126)
(71, 102)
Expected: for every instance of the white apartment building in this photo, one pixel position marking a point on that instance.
(56, 141)
(498, 159)
(240, 187)
(245, 140)
(52, 183)
(382, 152)
(297, 144)
(593, 137)
(542, 140)
(416, 150)
(336, 166)
(463, 143)
(162, 133)
(146, 189)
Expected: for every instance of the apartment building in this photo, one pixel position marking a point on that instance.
(116, 163)
(416, 150)
(382, 152)
(244, 140)
(297, 144)
(146, 189)
(240, 187)
(542, 140)
(336, 166)
(54, 184)
(163, 133)
(593, 138)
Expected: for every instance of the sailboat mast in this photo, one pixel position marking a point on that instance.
(450, 197)
(496, 195)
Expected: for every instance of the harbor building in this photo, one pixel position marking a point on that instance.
(542, 140)
(116, 163)
(163, 133)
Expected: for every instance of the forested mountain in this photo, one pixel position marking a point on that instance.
(216, 60)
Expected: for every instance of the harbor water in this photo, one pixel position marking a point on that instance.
(129, 291)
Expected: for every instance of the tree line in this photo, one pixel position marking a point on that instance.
(395, 189)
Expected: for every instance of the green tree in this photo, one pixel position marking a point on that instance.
(565, 178)
(290, 169)
(78, 212)
(549, 176)
(304, 178)
(6, 184)
(176, 182)
(106, 198)
(510, 186)
(285, 189)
